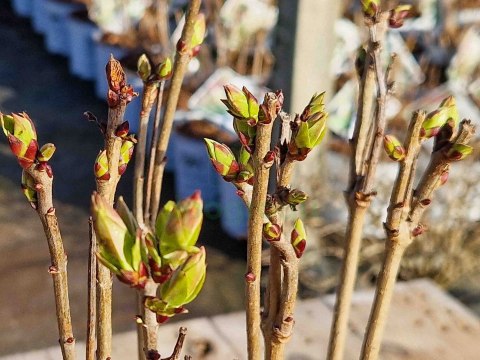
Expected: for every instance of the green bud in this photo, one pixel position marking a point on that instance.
(272, 232)
(222, 159)
(21, 136)
(199, 29)
(315, 106)
(459, 152)
(436, 119)
(298, 238)
(393, 147)
(452, 112)
(118, 248)
(178, 225)
(398, 15)
(112, 233)
(126, 153)
(236, 102)
(164, 69)
(370, 7)
(185, 282)
(144, 68)
(46, 152)
(28, 189)
(296, 197)
(100, 168)
(308, 135)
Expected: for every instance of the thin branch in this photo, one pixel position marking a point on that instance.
(58, 267)
(403, 223)
(255, 226)
(366, 145)
(149, 95)
(91, 345)
(179, 69)
(153, 147)
(107, 188)
(182, 333)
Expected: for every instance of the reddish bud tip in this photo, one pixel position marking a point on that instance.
(250, 277)
(181, 46)
(425, 202)
(70, 340)
(269, 157)
(161, 319)
(240, 193)
(51, 210)
(444, 177)
(418, 230)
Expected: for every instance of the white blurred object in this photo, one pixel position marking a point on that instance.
(117, 16)
(466, 60)
(428, 19)
(205, 102)
(244, 18)
(348, 40)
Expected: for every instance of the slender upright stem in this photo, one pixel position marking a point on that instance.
(91, 344)
(153, 147)
(383, 296)
(348, 275)
(179, 69)
(149, 95)
(107, 189)
(254, 244)
(58, 267)
(150, 324)
(366, 148)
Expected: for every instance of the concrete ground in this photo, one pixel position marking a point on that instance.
(31, 80)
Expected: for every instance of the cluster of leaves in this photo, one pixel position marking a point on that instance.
(167, 255)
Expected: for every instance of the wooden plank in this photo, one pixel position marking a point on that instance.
(202, 342)
(310, 336)
(424, 323)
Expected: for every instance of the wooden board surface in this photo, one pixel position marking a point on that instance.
(425, 323)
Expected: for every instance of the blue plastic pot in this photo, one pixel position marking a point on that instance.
(81, 47)
(234, 214)
(40, 19)
(57, 39)
(194, 171)
(22, 7)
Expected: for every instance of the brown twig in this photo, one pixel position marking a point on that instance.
(148, 99)
(107, 188)
(58, 267)
(153, 147)
(91, 345)
(179, 69)
(366, 145)
(255, 225)
(403, 223)
(182, 333)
